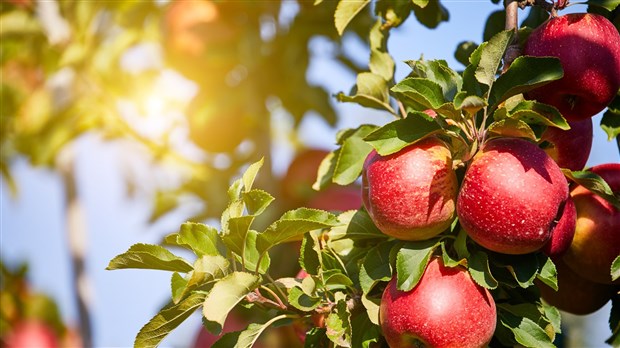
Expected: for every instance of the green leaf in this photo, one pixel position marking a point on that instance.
(419, 93)
(394, 13)
(345, 11)
(526, 332)
(464, 50)
(614, 322)
(200, 238)
(421, 3)
(371, 91)
(167, 320)
(302, 301)
(224, 296)
(554, 317)
(338, 323)
(294, 223)
(432, 14)
(310, 254)
(439, 72)
(479, 270)
(609, 5)
(495, 24)
(523, 268)
(376, 266)
(177, 285)
(411, 261)
(533, 112)
(398, 134)
(615, 269)
(256, 201)
(594, 183)
(252, 255)
(365, 332)
(250, 174)
(512, 128)
(206, 269)
(381, 63)
(548, 274)
(351, 159)
(360, 227)
(372, 306)
(317, 338)
(235, 231)
(524, 74)
(491, 57)
(470, 82)
(247, 337)
(148, 256)
(610, 122)
(326, 169)
(334, 279)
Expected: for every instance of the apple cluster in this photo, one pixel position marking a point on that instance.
(514, 198)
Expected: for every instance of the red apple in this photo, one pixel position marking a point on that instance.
(511, 195)
(597, 234)
(300, 175)
(588, 47)
(575, 294)
(445, 309)
(32, 333)
(337, 198)
(570, 148)
(563, 232)
(411, 194)
(205, 339)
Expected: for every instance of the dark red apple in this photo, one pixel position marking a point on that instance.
(411, 194)
(337, 198)
(563, 232)
(570, 148)
(32, 333)
(445, 309)
(575, 294)
(300, 175)
(511, 195)
(597, 234)
(588, 46)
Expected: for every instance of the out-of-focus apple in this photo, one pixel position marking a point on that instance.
(570, 148)
(597, 234)
(575, 294)
(511, 195)
(337, 198)
(411, 194)
(588, 47)
(445, 309)
(33, 334)
(300, 175)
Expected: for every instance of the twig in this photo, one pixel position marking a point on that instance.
(76, 238)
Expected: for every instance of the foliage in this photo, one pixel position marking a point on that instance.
(347, 259)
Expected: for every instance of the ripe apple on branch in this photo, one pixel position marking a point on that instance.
(469, 203)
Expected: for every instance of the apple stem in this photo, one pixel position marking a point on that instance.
(512, 23)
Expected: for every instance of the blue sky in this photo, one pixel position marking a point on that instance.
(32, 224)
